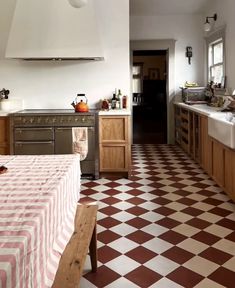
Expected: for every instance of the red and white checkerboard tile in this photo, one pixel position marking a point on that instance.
(170, 225)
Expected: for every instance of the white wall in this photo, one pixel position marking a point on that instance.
(55, 84)
(225, 11)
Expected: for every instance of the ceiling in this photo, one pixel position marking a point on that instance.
(163, 7)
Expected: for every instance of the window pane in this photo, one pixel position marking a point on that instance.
(218, 53)
(217, 73)
(210, 56)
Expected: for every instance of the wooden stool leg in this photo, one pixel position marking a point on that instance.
(93, 250)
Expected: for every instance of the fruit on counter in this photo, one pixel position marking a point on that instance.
(190, 84)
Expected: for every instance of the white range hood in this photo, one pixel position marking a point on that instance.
(53, 29)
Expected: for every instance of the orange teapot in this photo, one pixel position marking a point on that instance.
(80, 106)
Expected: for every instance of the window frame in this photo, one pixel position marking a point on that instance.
(213, 39)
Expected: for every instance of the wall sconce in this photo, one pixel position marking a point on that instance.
(77, 3)
(207, 24)
(189, 53)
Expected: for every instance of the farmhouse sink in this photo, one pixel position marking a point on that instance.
(221, 126)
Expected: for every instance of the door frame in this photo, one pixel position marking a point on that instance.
(169, 46)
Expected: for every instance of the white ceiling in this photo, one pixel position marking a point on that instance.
(163, 7)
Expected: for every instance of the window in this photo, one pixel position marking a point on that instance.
(216, 57)
(216, 61)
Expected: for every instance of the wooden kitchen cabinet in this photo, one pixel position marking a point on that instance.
(4, 135)
(218, 162)
(114, 144)
(205, 145)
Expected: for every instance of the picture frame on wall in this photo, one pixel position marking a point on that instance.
(154, 73)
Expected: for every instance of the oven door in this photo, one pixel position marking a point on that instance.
(34, 147)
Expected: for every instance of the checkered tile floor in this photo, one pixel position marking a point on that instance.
(170, 225)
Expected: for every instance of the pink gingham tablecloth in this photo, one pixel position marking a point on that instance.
(38, 200)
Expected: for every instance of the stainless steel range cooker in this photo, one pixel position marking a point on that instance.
(49, 131)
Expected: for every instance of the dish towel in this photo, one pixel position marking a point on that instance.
(80, 141)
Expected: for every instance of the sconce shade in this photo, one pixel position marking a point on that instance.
(77, 3)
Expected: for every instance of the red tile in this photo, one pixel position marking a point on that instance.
(186, 201)
(161, 201)
(139, 237)
(168, 222)
(178, 255)
(108, 222)
(224, 277)
(107, 236)
(106, 254)
(172, 237)
(109, 210)
(141, 254)
(212, 201)
(135, 200)
(137, 211)
(220, 211)
(164, 211)
(143, 277)
(102, 277)
(111, 192)
(231, 237)
(185, 277)
(192, 211)
(138, 222)
(226, 223)
(198, 223)
(215, 255)
(135, 192)
(206, 237)
(111, 200)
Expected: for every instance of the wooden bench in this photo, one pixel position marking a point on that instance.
(73, 258)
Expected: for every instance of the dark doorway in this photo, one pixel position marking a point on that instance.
(149, 97)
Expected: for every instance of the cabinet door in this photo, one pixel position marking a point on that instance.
(205, 146)
(113, 129)
(4, 135)
(229, 172)
(113, 157)
(218, 162)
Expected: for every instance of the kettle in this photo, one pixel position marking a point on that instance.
(82, 105)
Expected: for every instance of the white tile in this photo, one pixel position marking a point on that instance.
(154, 229)
(169, 188)
(214, 189)
(181, 217)
(196, 197)
(209, 217)
(165, 182)
(123, 181)
(123, 229)
(230, 264)
(228, 206)
(122, 265)
(166, 283)
(173, 197)
(207, 283)
(123, 245)
(218, 230)
(101, 188)
(164, 176)
(161, 265)
(146, 189)
(186, 230)
(123, 205)
(175, 205)
(226, 246)
(192, 189)
(123, 216)
(101, 215)
(149, 205)
(202, 206)
(221, 197)
(201, 266)
(152, 216)
(183, 176)
(120, 283)
(123, 196)
(157, 245)
(123, 188)
(84, 283)
(192, 246)
(144, 177)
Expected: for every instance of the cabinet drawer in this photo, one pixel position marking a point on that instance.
(34, 148)
(34, 134)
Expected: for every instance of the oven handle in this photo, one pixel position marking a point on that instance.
(33, 142)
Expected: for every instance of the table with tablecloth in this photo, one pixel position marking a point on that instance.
(38, 200)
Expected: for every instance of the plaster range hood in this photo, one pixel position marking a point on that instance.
(54, 30)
